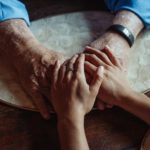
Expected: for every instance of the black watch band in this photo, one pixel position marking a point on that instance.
(123, 31)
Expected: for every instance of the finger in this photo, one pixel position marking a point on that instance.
(97, 80)
(62, 73)
(79, 66)
(111, 56)
(71, 65)
(41, 105)
(55, 73)
(92, 58)
(89, 68)
(100, 105)
(101, 55)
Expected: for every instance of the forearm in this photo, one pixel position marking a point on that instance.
(16, 37)
(137, 104)
(72, 134)
(129, 20)
(18, 43)
(116, 42)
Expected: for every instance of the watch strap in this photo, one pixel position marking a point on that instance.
(124, 32)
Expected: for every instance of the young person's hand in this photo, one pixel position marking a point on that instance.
(71, 94)
(115, 89)
(115, 84)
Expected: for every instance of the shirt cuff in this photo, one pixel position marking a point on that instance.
(144, 18)
(13, 9)
(138, 7)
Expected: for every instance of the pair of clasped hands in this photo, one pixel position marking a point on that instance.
(92, 77)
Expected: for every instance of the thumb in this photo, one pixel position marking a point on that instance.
(97, 79)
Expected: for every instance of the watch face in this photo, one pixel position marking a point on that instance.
(146, 142)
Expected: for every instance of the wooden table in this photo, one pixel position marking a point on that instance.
(108, 130)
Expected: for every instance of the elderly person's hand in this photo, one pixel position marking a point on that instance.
(31, 61)
(34, 70)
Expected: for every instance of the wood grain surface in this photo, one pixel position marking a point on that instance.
(112, 129)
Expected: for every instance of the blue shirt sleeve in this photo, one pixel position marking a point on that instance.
(13, 9)
(140, 7)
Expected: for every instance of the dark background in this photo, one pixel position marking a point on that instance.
(41, 8)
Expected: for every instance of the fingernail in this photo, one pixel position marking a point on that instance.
(106, 47)
(101, 71)
(88, 47)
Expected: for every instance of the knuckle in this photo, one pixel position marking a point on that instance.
(104, 55)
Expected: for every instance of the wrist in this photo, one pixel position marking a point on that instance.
(112, 39)
(74, 133)
(127, 95)
(124, 32)
(72, 115)
(71, 122)
(117, 44)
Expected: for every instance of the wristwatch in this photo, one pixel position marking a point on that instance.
(124, 32)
